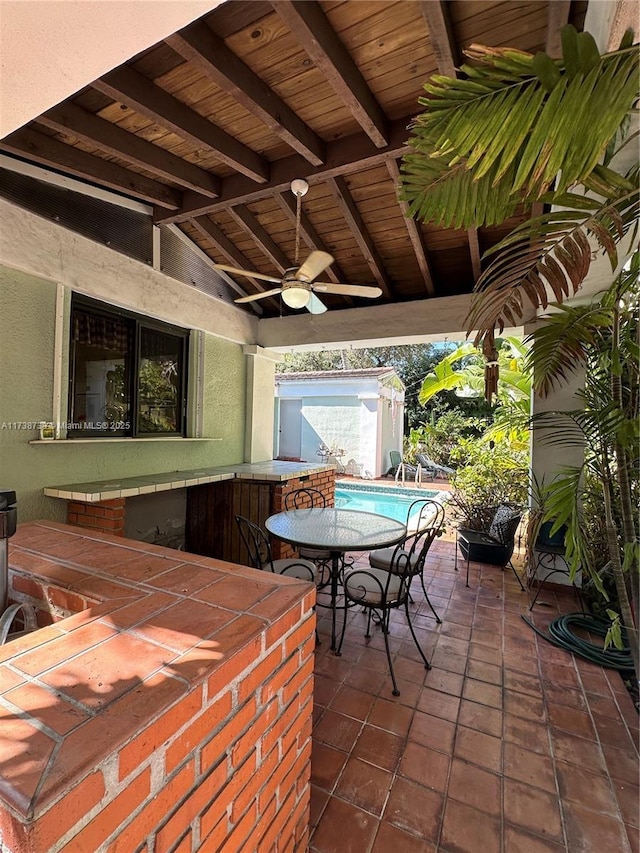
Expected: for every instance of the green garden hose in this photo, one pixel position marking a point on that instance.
(561, 635)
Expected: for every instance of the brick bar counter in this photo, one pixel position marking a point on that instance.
(166, 707)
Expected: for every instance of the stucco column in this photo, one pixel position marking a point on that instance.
(548, 459)
(258, 434)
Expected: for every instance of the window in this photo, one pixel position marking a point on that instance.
(127, 374)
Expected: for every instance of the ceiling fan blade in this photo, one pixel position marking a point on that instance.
(237, 271)
(347, 289)
(316, 263)
(315, 306)
(255, 296)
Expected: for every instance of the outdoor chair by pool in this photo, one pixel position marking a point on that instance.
(257, 544)
(424, 522)
(395, 458)
(494, 547)
(380, 592)
(433, 469)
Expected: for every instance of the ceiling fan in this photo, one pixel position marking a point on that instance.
(298, 285)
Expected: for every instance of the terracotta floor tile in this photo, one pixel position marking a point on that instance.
(478, 651)
(324, 689)
(343, 827)
(439, 704)
(378, 747)
(560, 695)
(557, 674)
(337, 730)
(482, 693)
(326, 765)
(570, 720)
(410, 670)
(318, 801)
(364, 785)
(432, 731)
(520, 682)
(480, 717)
(466, 830)
(450, 663)
(425, 766)
(475, 787)
(629, 801)
(479, 748)
(621, 765)
(483, 671)
(529, 767)
(518, 841)
(590, 790)
(530, 735)
(577, 750)
(530, 708)
(414, 809)
(352, 703)
(587, 830)
(446, 682)
(532, 809)
(390, 716)
(614, 733)
(390, 838)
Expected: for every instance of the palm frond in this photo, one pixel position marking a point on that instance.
(549, 253)
(521, 121)
(561, 345)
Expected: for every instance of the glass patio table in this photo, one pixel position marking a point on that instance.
(337, 531)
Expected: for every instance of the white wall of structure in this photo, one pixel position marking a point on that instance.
(353, 414)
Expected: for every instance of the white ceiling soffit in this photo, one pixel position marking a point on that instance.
(50, 49)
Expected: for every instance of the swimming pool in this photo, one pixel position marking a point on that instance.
(392, 501)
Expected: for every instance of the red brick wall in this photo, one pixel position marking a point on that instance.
(105, 515)
(225, 768)
(323, 481)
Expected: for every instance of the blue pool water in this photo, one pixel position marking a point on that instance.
(392, 501)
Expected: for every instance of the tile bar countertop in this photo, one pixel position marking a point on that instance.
(127, 487)
(154, 616)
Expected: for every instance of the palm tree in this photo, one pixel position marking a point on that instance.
(603, 338)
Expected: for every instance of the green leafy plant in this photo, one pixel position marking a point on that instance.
(602, 338)
(515, 129)
(486, 478)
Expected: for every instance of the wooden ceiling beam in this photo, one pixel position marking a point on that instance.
(474, 251)
(355, 222)
(557, 17)
(441, 35)
(142, 95)
(316, 36)
(344, 156)
(203, 48)
(53, 154)
(210, 231)
(415, 234)
(71, 119)
(249, 223)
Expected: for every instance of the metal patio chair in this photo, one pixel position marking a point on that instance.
(380, 592)
(424, 522)
(258, 547)
(495, 546)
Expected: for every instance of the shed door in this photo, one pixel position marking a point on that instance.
(290, 428)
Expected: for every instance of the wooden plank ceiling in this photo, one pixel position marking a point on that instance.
(211, 126)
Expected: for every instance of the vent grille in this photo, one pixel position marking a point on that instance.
(179, 261)
(127, 231)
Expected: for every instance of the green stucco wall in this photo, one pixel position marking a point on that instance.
(27, 326)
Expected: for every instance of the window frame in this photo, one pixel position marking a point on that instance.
(136, 323)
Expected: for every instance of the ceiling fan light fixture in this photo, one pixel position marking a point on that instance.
(296, 297)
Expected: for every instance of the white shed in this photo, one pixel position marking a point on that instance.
(352, 417)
